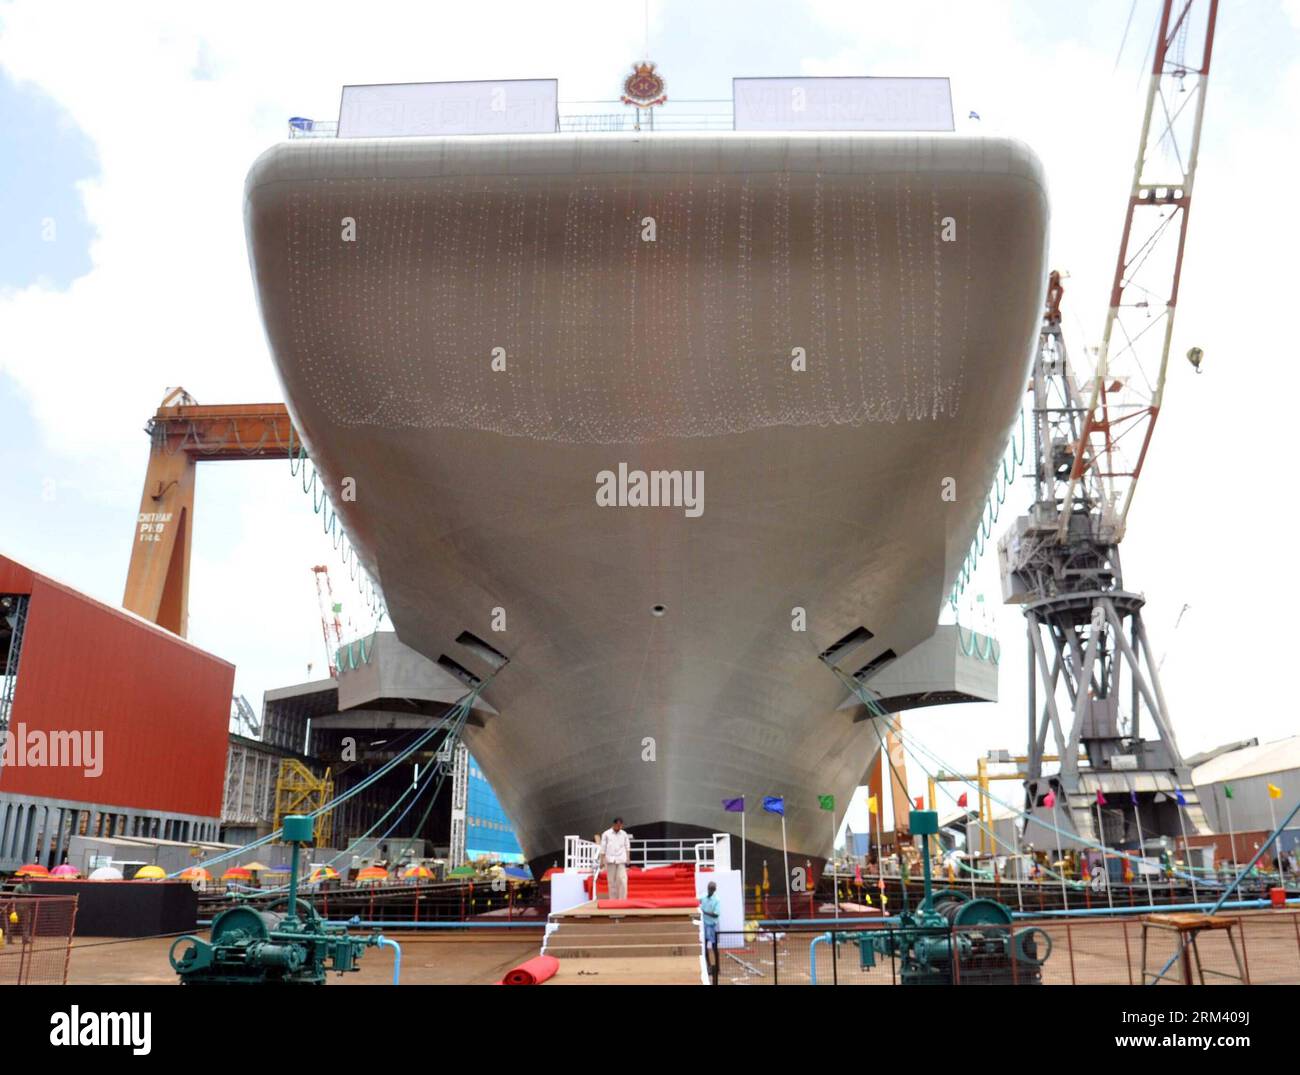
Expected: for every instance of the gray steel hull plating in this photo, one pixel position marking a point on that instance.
(907, 270)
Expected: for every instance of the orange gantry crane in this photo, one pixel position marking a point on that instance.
(183, 434)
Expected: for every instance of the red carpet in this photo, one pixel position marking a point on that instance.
(662, 886)
(534, 972)
(647, 904)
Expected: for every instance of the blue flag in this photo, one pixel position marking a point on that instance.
(1133, 797)
(1179, 796)
(774, 804)
(734, 806)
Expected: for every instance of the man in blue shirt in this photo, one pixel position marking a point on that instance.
(711, 912)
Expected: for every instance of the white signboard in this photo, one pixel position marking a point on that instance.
(414, 109)
(842, 104)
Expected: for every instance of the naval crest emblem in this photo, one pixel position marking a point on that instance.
(644, 87)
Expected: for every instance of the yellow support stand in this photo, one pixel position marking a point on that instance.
(300, 791)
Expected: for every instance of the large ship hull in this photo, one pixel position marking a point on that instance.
(829, 333)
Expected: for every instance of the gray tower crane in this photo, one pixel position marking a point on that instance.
(1094, 682)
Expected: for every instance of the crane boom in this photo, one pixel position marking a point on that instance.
(330, 626)
(1127, 388)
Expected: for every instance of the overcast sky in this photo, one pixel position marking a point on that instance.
(131, 127)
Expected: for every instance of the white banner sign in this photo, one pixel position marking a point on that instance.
(413, 109)
(842, 104)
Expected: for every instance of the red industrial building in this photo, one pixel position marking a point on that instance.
(116, 727)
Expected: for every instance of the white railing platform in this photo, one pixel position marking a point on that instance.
(592, 117)
(713, 853)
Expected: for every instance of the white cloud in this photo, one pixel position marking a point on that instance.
(169, 299)
(178, 101)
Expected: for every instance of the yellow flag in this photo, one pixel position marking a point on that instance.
(1274, 792)
(871, 803)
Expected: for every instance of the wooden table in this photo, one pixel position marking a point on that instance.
(1188, 927)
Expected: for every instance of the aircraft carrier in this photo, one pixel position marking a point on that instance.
(632, 409)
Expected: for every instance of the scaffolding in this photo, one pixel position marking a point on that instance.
(13, 609)
(459, 803)
(300, 791)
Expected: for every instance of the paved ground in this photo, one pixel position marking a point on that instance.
(425, 961)
(636, 970)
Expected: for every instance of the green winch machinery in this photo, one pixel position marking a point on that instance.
(291, 946)
(979, 933)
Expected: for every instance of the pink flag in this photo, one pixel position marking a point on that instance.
(1101, 799)
(1049, 800)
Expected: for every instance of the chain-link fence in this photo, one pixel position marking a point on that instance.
(1080, 951)
(37, 939)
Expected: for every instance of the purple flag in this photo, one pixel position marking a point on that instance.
(734, 806)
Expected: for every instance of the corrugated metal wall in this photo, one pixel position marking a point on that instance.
(161, 704)
(1250, 801)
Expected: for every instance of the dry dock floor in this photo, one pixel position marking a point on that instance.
(426, 960)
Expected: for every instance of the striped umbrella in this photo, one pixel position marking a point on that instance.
(33, 869)
(372, 875)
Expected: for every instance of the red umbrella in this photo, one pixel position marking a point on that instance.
(32, 869)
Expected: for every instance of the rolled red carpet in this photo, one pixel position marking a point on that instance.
(533, 972)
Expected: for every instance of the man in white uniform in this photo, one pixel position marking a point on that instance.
(615, 852)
